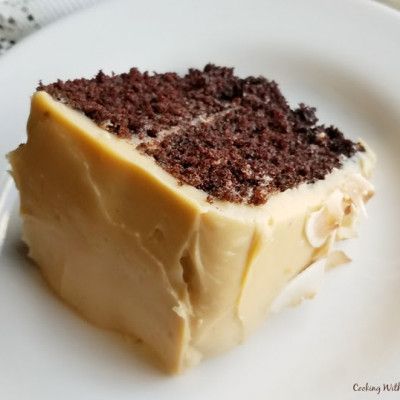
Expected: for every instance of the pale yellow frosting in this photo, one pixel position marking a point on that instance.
(122, 242)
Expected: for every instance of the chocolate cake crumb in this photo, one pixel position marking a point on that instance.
(236, 139)
(136, 103)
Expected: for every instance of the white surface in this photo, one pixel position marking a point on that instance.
(342, 56)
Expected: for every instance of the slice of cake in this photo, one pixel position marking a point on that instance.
(181, 210)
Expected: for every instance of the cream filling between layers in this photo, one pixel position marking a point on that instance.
(118, 238)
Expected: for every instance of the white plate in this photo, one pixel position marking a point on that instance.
(344, 57)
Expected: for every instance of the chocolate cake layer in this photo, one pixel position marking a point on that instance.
(236, 139)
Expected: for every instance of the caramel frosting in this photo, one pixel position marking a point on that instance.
(130, 247)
